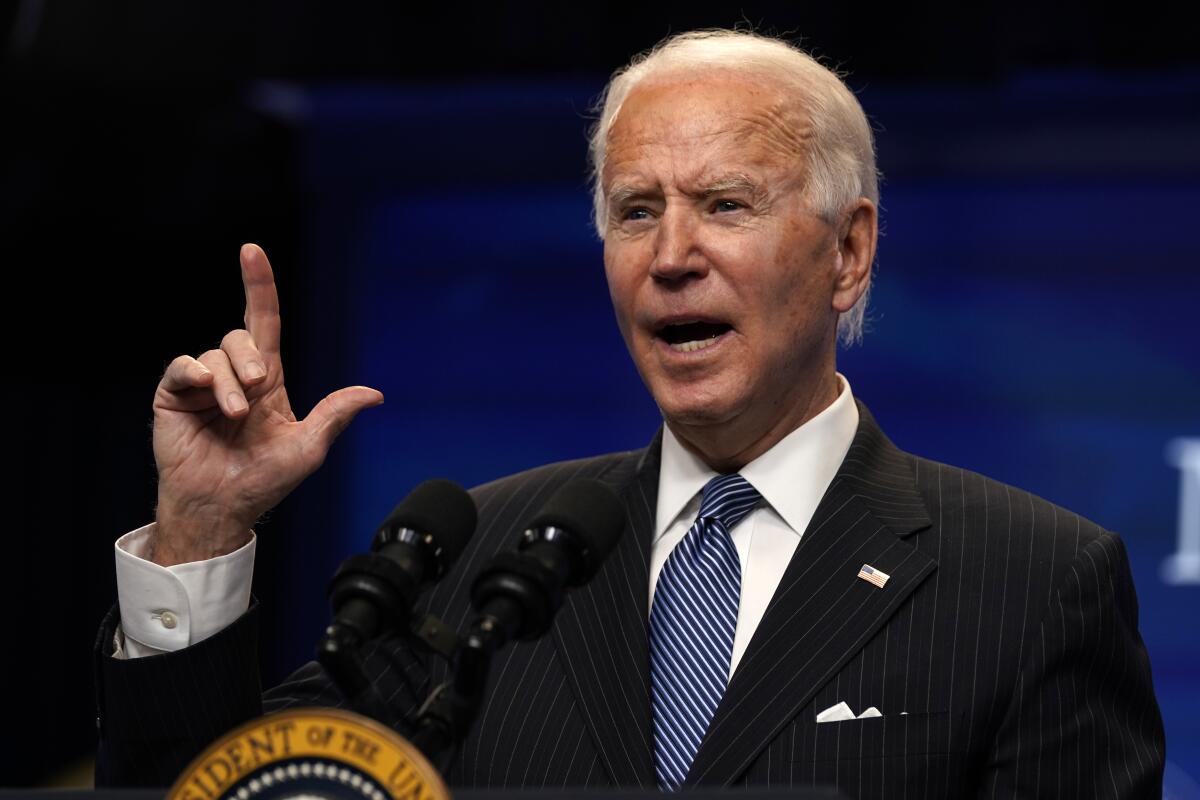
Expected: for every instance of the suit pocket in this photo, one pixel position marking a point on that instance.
(889, 736)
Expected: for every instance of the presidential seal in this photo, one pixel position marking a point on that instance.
(310, 753)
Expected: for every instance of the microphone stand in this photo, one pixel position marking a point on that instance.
(340, 653)
(450, 710)
(516, 596)
(373, 593)
(339, 649)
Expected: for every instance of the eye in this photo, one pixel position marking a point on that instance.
(725, 206)
(635, 213)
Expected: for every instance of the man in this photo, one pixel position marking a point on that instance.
(794, 601)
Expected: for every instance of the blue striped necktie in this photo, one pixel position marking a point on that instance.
(692, 622)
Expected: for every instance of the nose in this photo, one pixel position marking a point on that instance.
(677, 252)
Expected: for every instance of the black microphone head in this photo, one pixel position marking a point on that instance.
(592, 513)
(441, 509)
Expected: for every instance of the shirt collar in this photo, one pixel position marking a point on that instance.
(792, 476)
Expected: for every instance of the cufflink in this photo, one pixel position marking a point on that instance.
(167, 619)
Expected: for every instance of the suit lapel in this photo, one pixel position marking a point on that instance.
(822, 614)
(602, 639)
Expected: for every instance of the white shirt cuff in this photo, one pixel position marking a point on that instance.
(168, 608)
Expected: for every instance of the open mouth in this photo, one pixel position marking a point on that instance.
(688, 337)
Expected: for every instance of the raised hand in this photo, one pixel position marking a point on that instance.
(227, 445)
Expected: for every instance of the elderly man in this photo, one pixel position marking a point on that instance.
(794, 602)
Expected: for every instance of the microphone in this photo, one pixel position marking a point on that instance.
(517, 594)
(372, 592)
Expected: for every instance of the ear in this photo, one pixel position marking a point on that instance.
(856, 251)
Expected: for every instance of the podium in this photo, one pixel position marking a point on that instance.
(333, 754)
(478, 794)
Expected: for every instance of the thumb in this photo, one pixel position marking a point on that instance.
(334, 414)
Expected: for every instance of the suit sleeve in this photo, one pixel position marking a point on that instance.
(1083, 720)
(155, 714)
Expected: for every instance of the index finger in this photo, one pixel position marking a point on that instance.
(262, 301)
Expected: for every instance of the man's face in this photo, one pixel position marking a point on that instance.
(723, 281)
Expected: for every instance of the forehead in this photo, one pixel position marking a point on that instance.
(707, 124)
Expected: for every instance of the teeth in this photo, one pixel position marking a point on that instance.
(691, 347)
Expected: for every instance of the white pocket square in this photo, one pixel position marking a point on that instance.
(842, 712)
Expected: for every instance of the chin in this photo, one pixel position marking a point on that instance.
(697, 411)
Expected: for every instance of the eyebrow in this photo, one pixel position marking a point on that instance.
(732, 183)
(617, 199)
(624, 192)
(739, 182)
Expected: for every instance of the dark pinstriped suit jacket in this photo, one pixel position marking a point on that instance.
(1003, 653)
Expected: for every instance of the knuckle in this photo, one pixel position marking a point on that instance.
(234, 338)
(178, 364)
(213, 359)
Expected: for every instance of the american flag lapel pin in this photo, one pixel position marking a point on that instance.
(873, 576)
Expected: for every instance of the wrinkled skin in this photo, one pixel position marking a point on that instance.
(708, 221)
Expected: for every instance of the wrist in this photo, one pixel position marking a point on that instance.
(180, 536)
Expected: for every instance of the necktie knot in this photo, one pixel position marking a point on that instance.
(727, 499)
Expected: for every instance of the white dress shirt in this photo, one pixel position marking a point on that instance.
(791, 477)
(168, 608)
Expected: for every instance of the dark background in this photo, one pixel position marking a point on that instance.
(419, 181)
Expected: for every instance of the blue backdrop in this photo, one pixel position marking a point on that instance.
(1032, 314)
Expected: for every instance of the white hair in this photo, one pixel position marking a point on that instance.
(841, 154)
